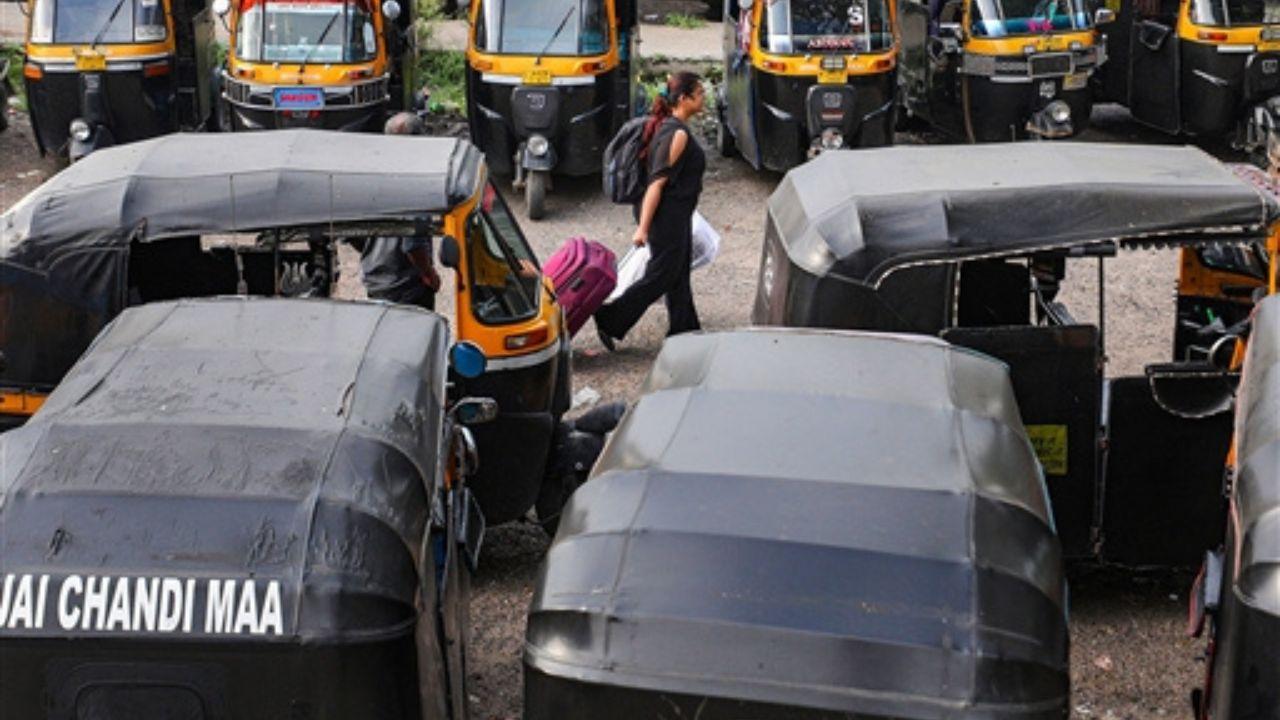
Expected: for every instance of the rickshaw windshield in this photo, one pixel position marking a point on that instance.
(563, 28)
(1002, 18)
(323, 31)
(800, 27)
(106, 21)
(504, 272)
(1231, 13)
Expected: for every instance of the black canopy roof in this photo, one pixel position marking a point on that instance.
(835, 521)
(861, 214)
(1258, 456)
(203, 183)
(286, 441)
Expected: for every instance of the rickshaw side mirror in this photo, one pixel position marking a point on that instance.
(467, 359)
(450, 253)
(391, 10)
(221, 7)
(1103, 16)
(475, 411)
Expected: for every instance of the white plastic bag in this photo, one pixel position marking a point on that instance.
(706, 245)
(706, 242)
(630, 268)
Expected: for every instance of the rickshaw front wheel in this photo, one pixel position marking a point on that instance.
(535, 193)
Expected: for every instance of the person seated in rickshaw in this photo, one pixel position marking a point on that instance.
(401, 269)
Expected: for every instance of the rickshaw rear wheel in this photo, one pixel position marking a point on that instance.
(535, 193)
(724, 139)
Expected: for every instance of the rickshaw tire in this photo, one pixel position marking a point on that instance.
(458, 577)
(535, 193)
(724, 141)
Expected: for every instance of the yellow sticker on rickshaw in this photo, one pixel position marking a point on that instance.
(1050, 444)
(1075, 81)
(537, 76)
(90, 61)
(831, 77)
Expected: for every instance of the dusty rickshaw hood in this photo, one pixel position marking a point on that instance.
(202, 183)
(274, 452)
(844, 522)
(65, 247)
(861, 214)
(1257, 500)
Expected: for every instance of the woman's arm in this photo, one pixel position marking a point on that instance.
(653, 195)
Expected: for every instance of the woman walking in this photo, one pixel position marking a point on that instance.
(676, 164)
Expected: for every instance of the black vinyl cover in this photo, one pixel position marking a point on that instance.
(228, 470)
(806, 524)
(64, 247)
(1256, 501)
(859, 215)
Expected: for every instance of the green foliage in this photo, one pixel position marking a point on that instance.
(444, 71)
(687, 22)
(14, 54)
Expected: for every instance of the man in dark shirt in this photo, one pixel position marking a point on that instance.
(400, 269)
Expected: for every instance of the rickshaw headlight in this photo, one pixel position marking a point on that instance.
(1059, 111)
(538, 146)
(80, 130)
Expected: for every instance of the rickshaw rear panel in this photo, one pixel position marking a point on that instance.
(224, 509)
(1062, 425)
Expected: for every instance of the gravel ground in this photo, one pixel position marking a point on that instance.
(1129, 656)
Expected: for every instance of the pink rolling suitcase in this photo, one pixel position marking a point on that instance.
(584, 273)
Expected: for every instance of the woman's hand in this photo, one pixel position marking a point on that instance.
(641, 238)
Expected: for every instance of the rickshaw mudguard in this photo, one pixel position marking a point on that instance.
(221, 507)
(847, 581)
(1247, 629)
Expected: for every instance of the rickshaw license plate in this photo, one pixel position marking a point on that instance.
(299, 98)
(1075, 81)
(831, 77)
(537, 76)
(89, 61)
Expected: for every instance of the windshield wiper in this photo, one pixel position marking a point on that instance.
(319, 41)
(564, 21)
(107, 25)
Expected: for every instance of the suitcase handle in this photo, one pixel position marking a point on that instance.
(576, 283)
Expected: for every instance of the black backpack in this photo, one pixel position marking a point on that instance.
(625, 176)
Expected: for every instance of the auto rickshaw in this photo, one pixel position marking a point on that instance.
(236, 508)
(802, 76)
(1235, 601)
(105, 72)
(549, 83)
(972, 243)
(1200, 67)
(1235, 596)
(332, 64)
(994, 70)
(260, 215)
(806, 525)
